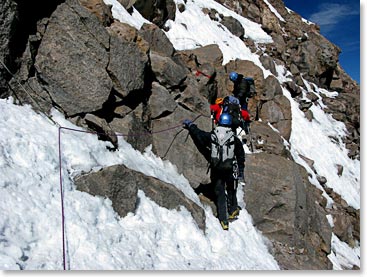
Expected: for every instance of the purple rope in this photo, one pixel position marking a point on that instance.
(62, 203)
(134, 135)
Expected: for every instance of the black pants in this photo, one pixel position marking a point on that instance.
(226, 202)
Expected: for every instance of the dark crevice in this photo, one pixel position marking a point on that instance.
(164, 114)
(184, 106)
(29, 13)
(326, 77)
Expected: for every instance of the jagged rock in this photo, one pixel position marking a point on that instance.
(133, 128)
(309, 162)
(266, 139)
(127, 66)
(278, 113)
(234, 26)
(312, 96)
(293, 89)
(309, 115)
(104, 131)
(340, 169)
(321, 179)
(346, 220)
(160, 102)
(167, 72)
(272, 88)
(210, 54)
(270, 22)
(7, 22)
(213, 14)
(191, 100)
(268, 63)
(304, 105)
(121, 185)
(294, 69)
(157, 40)
(282, 204)
(76, 82)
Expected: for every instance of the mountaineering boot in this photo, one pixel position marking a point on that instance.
(233, 216)
(224, 225)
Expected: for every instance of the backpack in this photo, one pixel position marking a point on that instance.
(222, 157)
(251, 90)
(231, 105)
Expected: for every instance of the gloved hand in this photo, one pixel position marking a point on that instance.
(187, 123)
(241, 177)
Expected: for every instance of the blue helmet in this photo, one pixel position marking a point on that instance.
(225, 119)
(233, 76)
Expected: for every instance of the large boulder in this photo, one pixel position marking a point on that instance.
(157, 40)
(121, 184)
(168, 72)
(285, 208)
(234, 26)
(72, 60)
(126, 66)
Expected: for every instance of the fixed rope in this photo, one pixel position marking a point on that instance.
(96, 133)
(60, 128)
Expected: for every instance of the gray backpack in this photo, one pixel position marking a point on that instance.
(222, 149)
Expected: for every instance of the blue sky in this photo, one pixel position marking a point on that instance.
(339, 22)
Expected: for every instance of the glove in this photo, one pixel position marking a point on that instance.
(186, 123)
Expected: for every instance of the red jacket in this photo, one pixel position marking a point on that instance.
(217, 110)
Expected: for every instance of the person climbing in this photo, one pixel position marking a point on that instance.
(224, 152)
(231, 105)
(243, 88)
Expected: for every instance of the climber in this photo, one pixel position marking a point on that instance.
(225, 154)
(243, 88)
(231, 105)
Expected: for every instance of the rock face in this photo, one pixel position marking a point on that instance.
(281, 201)
(109, 77)
(78, 83)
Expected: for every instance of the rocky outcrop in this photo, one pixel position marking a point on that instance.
(76, 82)
(121, 186)
(281, 201)
(157, 12)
